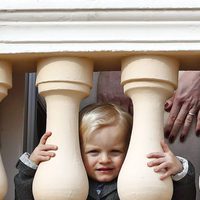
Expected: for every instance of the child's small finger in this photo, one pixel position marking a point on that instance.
(45, 137)
(164, 146)
(47, 153)
(160, 167)
(45, 158)
(155, 155)
(165, 175)
(155, 162)
(48, 147)
(52, 154)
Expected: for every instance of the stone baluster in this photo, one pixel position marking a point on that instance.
(63, 82)
(148, 81)
(5, 84)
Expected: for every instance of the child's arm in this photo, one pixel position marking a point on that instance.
(165, 162)
(27, 167)
(23, 182)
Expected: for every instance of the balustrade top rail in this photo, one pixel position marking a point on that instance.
(105, 31)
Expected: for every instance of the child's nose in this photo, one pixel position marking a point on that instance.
(105, 158)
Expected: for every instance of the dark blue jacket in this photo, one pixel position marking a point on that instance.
(183, 189)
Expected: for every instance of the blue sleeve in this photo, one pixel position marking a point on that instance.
(23, 182)
(185, 189)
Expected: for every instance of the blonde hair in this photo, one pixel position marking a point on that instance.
(96, 116)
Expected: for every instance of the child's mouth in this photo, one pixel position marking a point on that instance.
(104, 169)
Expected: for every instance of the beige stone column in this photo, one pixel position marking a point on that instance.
(148, 81)
(63, 82)
(5, 84)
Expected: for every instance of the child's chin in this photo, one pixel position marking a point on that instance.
(105, 179)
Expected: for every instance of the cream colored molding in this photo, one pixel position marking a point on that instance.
(88, 4)
(105, 31)
(88, 26)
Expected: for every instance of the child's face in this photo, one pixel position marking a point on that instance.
(103, 152)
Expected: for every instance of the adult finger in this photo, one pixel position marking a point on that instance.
(178, 123)
(187, 124)
(45, 137)
(198, 124)
(169, 103)
(172, 117)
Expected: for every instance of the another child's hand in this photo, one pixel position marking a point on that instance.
(165, 162)
(42, 152)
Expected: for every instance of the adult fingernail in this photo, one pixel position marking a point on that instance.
(171, 139)
(166, 105)
(198, 133)
(167, 134)
(182, 138)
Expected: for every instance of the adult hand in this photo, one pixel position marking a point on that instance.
(184, 106)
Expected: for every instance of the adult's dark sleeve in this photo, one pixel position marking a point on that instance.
(185, 188)
(23, 182)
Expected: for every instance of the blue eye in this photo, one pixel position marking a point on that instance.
(93, 152)
(116, 152)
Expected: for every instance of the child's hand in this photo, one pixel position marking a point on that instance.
(165, 162)
(42, 152)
